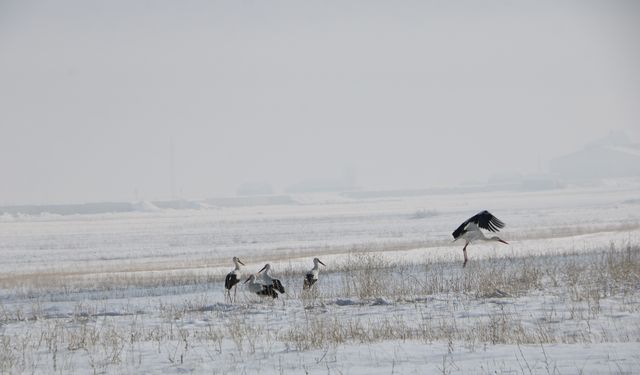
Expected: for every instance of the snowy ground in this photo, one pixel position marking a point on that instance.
(142, 292)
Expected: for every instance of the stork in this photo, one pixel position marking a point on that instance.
(268, 280)
(233, 278)
(260, 289)
(312, 276)
(470, 230)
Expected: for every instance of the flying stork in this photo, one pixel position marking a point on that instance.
(260, 289)
(233, 278)
(470, 230)
(312, 276)
(268, 280)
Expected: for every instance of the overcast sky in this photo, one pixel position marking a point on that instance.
(405, 93)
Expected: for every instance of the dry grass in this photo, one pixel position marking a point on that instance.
(440, 302)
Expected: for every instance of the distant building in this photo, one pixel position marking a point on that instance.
(612, 156)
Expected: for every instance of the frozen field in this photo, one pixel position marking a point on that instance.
(142, 292)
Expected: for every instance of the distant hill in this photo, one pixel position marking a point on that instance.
(143, 206)
(612, 156)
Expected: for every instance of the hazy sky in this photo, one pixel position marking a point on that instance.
(405, 93)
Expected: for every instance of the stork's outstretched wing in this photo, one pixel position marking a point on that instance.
(484, 220)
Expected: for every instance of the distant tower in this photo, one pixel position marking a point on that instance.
(172, 172)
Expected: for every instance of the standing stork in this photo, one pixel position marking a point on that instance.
(268, 280)
(470, 230)
(312, 276)
(260, 289)
(232, 279)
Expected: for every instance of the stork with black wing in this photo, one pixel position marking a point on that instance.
(470, 230)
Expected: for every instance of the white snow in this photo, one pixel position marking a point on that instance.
(141, 292)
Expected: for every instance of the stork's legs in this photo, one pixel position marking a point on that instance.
(227, 295)
(464, 251)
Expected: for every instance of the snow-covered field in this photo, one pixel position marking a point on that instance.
(142, 292)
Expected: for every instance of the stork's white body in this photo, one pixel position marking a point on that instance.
(312, 276)
(268, 280)
(473, 234)
(254, 286)
(266, 275)
(257, 287)
(233, 278)
(314, 272)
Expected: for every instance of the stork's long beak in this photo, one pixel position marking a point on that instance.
(265, 266)
(239, 261)
(503, 241)
(247, 280)
(319, 261)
